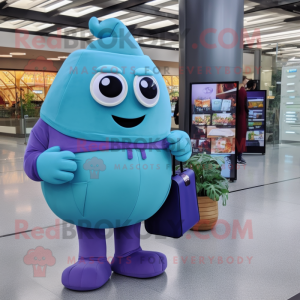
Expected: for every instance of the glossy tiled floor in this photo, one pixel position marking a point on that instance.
(262, 264)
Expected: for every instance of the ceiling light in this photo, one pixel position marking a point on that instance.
(174, 30)
(294, 59)
(54, 58)
(247, 8)
(288, 48)
(12, 24)
(131, 18)
(37, 26)
(113, 15)
(63, 31)
(172, 7)
(287, 52)
(264, 21)
(17, 53)
(48, 6)
(280, 33)
(78, 12)
(62, 57)
(294, 41)
(158, 24)
(286, 38)
(139, 20)
(156, 2)
(5, 55)
(256, 17)
(261, 29)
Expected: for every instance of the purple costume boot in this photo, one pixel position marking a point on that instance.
(130, 260)
(92, 269)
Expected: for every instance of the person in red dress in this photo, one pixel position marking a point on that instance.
(242, 120)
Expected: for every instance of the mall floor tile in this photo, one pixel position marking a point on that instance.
(252, 253)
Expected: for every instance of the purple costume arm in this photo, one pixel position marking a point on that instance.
(37, 144)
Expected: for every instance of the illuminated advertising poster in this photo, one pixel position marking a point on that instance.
(289, 128)
(256, 131)
(213, 122)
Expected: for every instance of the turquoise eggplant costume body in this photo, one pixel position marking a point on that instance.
(102, 150)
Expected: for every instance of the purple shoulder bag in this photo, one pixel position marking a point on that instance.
(180, 212)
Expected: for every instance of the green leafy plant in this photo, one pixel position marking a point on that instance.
(209, 181)
(28, 106)
(173, 94)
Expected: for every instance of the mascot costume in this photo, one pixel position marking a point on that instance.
(102, 152)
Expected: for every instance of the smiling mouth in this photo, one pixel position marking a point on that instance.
(128, 123)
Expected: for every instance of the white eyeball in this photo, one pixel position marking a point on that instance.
(108, 89)
(146, 90)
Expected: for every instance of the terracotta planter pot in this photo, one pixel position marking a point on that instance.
(209, 213)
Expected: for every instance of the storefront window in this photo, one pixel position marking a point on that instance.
(172, 83)
(7, 89)
(271, 82)
(33, 82)
(16, 87)
(49, 78)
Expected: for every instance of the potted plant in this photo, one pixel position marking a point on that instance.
(28, 107)
(210, 185)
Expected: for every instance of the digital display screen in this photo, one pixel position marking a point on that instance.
(213, 122)
(289, 88)
(256, 131)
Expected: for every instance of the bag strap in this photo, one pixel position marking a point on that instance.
(173, 166)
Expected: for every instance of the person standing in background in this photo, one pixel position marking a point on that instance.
(176, 112)
(242, 121)
(251, 85)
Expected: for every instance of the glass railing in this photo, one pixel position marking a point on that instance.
(18, 113)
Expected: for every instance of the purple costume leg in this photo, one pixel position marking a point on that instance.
(92, 269)
(130, 260)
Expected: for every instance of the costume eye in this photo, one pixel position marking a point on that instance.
(108, 89)
(146, 90)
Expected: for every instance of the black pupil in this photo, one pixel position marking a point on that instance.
(148, 88)
(110, 86)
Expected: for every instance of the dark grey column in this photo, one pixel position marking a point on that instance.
(211, 46)
(257, 64)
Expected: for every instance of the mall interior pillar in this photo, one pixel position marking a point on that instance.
(257, 64)
(211, 46)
